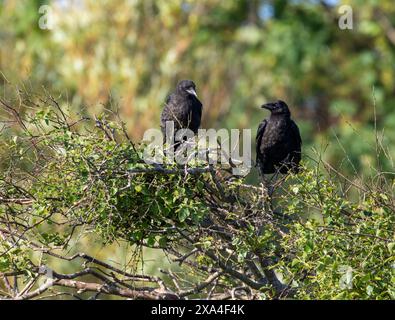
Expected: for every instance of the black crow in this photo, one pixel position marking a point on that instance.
(278, 141)
(183, 108)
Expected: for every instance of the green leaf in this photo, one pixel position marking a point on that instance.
(295, 190)
(183, 214)
(151, 241)
(163, 242)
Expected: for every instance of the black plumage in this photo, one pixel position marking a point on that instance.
(183, 108)
(278, 141)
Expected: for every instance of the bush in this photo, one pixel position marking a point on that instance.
(320, 235)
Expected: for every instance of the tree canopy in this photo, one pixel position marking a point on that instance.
(82, 216)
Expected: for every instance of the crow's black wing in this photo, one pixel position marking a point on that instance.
(258, 140)
(296, 144)
(168, 109)
(296, 134)
(166, 115)
(168, 99)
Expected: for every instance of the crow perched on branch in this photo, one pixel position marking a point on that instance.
(278, 141)
(183, 108)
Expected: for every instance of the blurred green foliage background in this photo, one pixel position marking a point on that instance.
(131, 53)
(340, 84)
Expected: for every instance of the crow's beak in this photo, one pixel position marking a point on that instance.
(192, 92)
(268, 106)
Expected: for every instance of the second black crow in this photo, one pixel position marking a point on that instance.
(278, 141)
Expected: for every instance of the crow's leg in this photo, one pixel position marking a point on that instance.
(280, 181)
(273, 182)
(268, 186)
